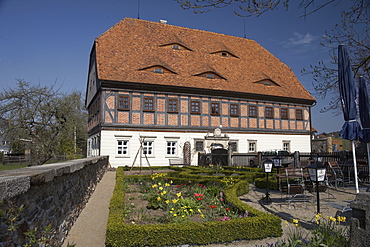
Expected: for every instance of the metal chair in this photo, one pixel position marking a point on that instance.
(336, 174)
(295, 184)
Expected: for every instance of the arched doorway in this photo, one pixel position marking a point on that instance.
(187, 153)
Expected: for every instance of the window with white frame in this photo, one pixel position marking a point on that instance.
(286, 146)
(148, 148)
(252, 146)
(171, 149)
(122, 147)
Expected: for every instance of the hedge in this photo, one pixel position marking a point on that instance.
(258, 225)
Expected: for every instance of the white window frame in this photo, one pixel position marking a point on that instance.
(122, 138)
(286, 146)
(175, 141)
(121, 147)
(145, 141)
(148, 148)
(172, 147)
(252, 143)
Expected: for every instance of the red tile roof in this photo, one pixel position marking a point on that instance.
(124, 52)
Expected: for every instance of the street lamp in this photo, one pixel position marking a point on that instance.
(317, 174)
(277, 161)
(267, 168)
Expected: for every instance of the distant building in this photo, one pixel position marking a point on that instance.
(340, 144)
(330, 143)
(169, 92)
(4, 146)
(322, 144)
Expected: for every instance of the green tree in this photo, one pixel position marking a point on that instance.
(42, 120)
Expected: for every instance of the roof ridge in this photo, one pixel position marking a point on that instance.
(158, 23)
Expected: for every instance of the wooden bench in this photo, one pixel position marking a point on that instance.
(176, 162)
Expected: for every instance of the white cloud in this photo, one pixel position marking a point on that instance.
(299, 39)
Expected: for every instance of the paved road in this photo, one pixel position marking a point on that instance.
(89, 229)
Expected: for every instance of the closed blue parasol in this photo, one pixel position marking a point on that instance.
(364, 108)
(351, 129)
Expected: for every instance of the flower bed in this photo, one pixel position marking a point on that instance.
(160, 200)
(192, 212)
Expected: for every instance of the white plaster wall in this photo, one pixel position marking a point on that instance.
(301, 143)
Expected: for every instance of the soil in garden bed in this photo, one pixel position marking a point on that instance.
(136, 208)
(137, 211)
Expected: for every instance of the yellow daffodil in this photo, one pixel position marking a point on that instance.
(295, 221)
(202, 215)
(167, 184)
(159, 184)
(160, 188)
(178, 194)
(175, 200)
(167, 201)
(341, 219)
(333, 219)
(154, 186)
(159, 198)
(171, 182)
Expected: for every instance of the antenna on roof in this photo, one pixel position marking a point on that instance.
(138, 9)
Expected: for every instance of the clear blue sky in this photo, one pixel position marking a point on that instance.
(49, 41)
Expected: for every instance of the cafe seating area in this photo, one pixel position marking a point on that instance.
(296, 185)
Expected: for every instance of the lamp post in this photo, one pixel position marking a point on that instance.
(277, 161)
(317, 174)
(267, 168)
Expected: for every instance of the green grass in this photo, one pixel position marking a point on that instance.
(12, 167)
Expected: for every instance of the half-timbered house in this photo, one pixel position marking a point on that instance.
(166, 92)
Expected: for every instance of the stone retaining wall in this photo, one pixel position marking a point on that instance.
(52, 194)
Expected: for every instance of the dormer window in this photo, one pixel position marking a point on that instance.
(210, 76)
(158, 70)
(176, 46)
(267, 82)
(224, 54)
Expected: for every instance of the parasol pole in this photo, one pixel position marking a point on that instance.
(355, 166)
(368, 157)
